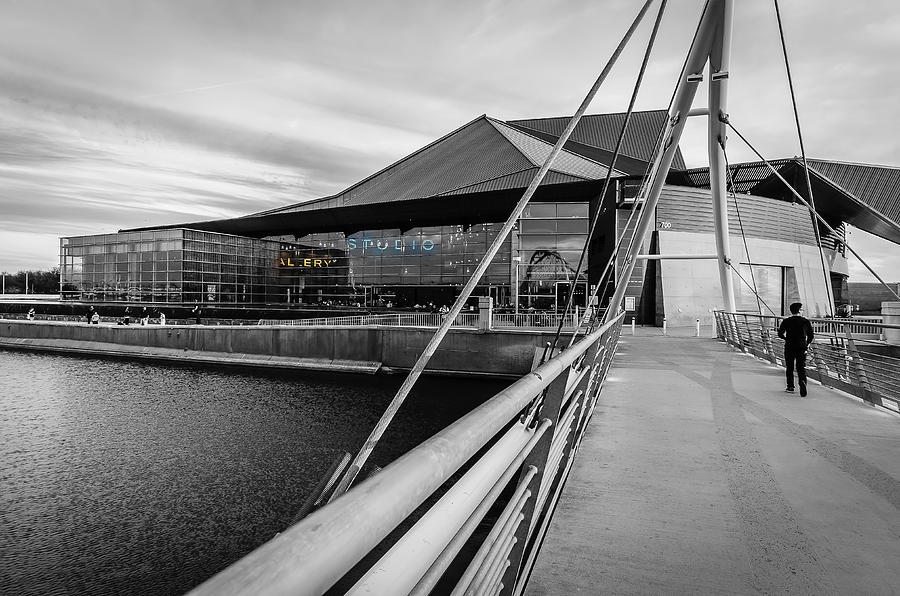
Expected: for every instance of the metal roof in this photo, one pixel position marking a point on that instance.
(519, 180)
(538, 150)
(483, 152)
(485, 203)
(602, 131)
(865, 196)
(876, 186)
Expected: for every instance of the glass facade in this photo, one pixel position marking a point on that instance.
(405, 268)
(170, 266)
(550, 240)
(421, 265)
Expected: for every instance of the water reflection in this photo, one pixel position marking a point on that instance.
(124, 477)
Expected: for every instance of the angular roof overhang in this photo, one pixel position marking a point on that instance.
(470, 208)
(474, 169)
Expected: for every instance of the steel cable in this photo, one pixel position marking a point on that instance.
(612, 165)
(807, 205)
(419, 366)
(787, 67)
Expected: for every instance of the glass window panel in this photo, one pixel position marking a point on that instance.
(535, 241)
(572, 226)
(769, 283)
(571, 210)
(539, 226)
(571, 257)
(540, 210)
(570, 242)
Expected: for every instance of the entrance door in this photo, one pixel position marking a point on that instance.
(494, 293)
(562, 295)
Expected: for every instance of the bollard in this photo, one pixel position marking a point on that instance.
(632, 325)
(664, 326)
(698, 328)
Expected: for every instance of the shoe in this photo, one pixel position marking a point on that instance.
(789, 390)
(803, 394)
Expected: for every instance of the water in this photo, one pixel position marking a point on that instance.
(121, 477)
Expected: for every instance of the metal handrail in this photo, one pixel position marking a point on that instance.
(835, 358)
(499, 320)
(385, 320)
(311, 556)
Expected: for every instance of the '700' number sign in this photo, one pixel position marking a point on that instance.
(663, 225)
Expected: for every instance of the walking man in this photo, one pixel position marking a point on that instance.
(797, 334)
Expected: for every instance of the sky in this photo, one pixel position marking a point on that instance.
(124, 113)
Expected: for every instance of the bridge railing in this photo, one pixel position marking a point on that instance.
(412, 319)
(846, 353)
(534, 320)
(422, 319)
(506, 461)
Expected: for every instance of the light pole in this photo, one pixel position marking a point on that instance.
(516, 261)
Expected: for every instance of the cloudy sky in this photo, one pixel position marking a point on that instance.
(126, 113)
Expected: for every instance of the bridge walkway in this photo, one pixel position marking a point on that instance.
(699, 475)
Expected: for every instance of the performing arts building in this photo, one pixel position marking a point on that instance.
(413, 233)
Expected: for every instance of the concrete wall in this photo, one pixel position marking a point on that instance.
(691, 289)
(463, 350)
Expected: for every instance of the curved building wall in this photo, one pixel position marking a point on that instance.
(783, 261)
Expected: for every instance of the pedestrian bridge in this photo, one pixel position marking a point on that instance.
(694, 473)
(699, 475)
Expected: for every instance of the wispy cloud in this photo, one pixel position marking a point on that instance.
(131, 113)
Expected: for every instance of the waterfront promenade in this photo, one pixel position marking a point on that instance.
(699, 475)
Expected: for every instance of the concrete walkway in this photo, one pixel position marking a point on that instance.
(699, 475)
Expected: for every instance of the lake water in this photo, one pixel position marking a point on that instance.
(122, 477)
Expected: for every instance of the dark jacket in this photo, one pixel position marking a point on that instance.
(796, 332)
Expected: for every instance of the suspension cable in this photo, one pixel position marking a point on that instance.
(743, 236)
(612, 165)
(641, 195)
(812, 201)
(419, 366)
(804, 201)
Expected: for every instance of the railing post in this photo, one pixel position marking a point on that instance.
(539, 456)
(727, 333)
(733, 331)
(747, 346)
(766, 329)
(859, 368)
(821, 368)
(595, 364)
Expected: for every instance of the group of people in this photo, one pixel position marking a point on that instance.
(93, 317)
(143, 319)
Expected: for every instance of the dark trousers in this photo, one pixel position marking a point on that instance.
(790, 358)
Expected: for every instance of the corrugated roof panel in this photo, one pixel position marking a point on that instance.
(865, 196)
(537, 151)
(602, 130)
(744, 176)
(519, 180)
(876, 186)
(472, 154)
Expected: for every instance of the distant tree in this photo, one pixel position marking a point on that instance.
(39, 282)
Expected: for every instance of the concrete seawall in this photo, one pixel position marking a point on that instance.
(348, 349)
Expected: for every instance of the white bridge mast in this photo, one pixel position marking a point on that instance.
(712, 44)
